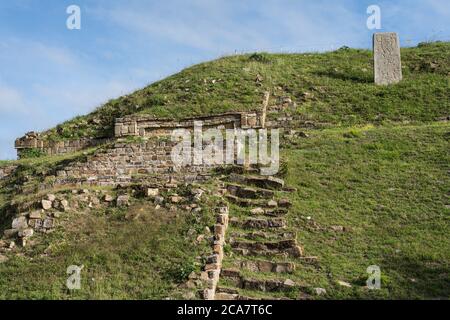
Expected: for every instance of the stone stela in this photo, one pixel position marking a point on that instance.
(387, 60)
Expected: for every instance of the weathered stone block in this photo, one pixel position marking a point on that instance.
(38, 224)
(222, 219)
(208, 294)
(219, 230)
(123, 200)
(35, 214)
(46, 204)
(176, 199)
(108, 198)
(48, 223)
(19, 223)
(387, 60)
(64, 205)
(265, 266)
(212, 266)
(152, 192)
(223, 210)
(26, 233)
(212, 259)
(10, 233)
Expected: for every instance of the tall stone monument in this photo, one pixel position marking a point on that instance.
(387, 61)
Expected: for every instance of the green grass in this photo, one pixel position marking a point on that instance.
(144, 258)
(379, 168)
(340, 85)
(389, 187)
(31, 172)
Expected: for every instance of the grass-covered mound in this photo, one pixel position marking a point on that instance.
(372, 188)
(339, 86)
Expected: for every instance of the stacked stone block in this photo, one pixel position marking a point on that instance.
(213, 265)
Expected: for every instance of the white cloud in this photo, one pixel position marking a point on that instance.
(223, 27)
(56, 55)
(203, 25)
(36, 53)
(441, 7)
(11, 100)
(69, 99)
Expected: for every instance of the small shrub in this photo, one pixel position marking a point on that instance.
(344, 48)
(352, 134)
(181, 271)
(260, 57)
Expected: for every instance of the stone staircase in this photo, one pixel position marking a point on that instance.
(262, 249)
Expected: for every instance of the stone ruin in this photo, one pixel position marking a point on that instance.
(142, 126)
(387, 70)
(149, 126)
(127, 161)
(6, 171)
(33, 140)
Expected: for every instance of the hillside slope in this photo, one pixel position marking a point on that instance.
(369, 185)
(334, 88)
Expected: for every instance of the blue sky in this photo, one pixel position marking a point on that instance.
(49, 74)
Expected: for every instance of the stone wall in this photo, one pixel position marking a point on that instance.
(32, 140)
(143, 126)
(213, 265)
(6, 171)
(130, 162)
(147, 126)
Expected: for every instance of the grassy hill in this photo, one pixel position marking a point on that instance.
(372, 184)
(335, 88)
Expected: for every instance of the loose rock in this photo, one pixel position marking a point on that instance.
(344, 284)
(108, 198)
(26, 233)
(19, 223)
(152, 192)
(64, 205)
(35, 214)
(123, 201)
(46, 204)
(176, 199)
(320, 291)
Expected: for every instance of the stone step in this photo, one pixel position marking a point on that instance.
(237, 169)
(266, 204)
(263, 182)
(233, 276)
(258, 223)
(257, 235)
(282, 247)
(266, 266)
(245, 202)
(226, 293)
(249, 193)
(270, 212)
(269, 285)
